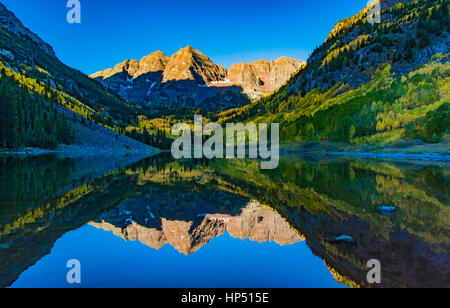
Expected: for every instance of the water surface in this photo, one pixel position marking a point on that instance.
(155, 222)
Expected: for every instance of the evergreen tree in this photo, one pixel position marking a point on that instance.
(9, 117)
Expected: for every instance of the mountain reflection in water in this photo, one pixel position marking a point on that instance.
(145, 219)
(186, 204)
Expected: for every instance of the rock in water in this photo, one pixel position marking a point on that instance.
(387, 210)
(345, 239)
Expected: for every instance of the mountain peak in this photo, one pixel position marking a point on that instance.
(155, 55)
(190, 64)
(154, 62)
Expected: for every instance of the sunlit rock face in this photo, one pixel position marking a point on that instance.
(262, 77)
(141, 220)
(155, 62)
(189, 79)
(190, 64)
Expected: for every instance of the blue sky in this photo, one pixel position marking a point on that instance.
(226, 31)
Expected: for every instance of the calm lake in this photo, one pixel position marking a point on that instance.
(155, 222)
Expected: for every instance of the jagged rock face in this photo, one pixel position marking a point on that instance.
(282, 70)
(189, 79)
(190, 64)
(159, 82)
(10, 22)
(261, 77)
(134, 79)
(243, 74)
(188, 235)
(155, 62)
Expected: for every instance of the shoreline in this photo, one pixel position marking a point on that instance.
(413, 150)
(433, 157)
(79, 150)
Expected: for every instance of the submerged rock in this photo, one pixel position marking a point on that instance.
(387, 210)
(5, 245)
(344, 239)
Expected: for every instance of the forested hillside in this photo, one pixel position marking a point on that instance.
(34, 82)
(27, 121)
(369, 84)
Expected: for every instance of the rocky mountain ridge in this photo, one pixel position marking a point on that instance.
(190, 79)
(11, 23)
(154, 62)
